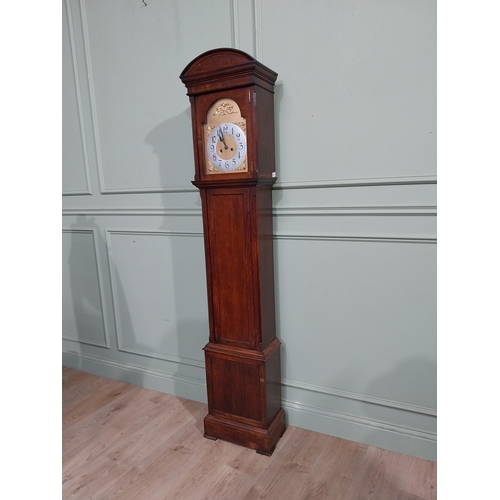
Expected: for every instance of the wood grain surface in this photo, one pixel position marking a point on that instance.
(125, 442)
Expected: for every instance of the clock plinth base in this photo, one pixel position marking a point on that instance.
(262, 440)
(244, 395)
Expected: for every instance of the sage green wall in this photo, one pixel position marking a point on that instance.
(354, 205)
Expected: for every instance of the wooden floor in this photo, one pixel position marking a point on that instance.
(125, 442)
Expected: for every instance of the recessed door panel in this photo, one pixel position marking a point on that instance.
(231, 266)
(235, 388)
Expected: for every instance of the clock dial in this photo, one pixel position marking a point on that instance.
(225, 138)
(226, 147)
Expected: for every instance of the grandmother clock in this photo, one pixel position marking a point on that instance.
(232, 111)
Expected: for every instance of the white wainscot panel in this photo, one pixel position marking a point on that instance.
(159, 294)
(359, 317)
(143, 114)
(356, 92)
(82, 308)
(75, 174)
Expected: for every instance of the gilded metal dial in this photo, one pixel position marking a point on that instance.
(226, 147)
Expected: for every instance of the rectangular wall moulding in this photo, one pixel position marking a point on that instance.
(159, 293)
(83, 311)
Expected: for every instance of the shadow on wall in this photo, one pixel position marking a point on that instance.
(87, 302)
(172, 143)
(137, 338)
(88, 324)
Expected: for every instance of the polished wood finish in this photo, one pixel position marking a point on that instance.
(242, 356)
(231, 73)
(124, 442)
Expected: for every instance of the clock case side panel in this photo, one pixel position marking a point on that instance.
(263, 102)
(265, 256)
(208, 264)
(196, 136)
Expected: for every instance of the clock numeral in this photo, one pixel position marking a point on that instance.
(231, 140)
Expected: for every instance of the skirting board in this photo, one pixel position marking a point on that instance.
(178, 385)
(370, 432)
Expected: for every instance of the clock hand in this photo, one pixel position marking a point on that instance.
(221, 137)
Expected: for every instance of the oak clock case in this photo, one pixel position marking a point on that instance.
(232, 112)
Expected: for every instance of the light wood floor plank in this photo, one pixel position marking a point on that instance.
(107, 392)
(253, 464)
(334, 472)
(124, 442)
(282, 477)
(76, 385)
(230, 484)
(162, 465)
(110, 427)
